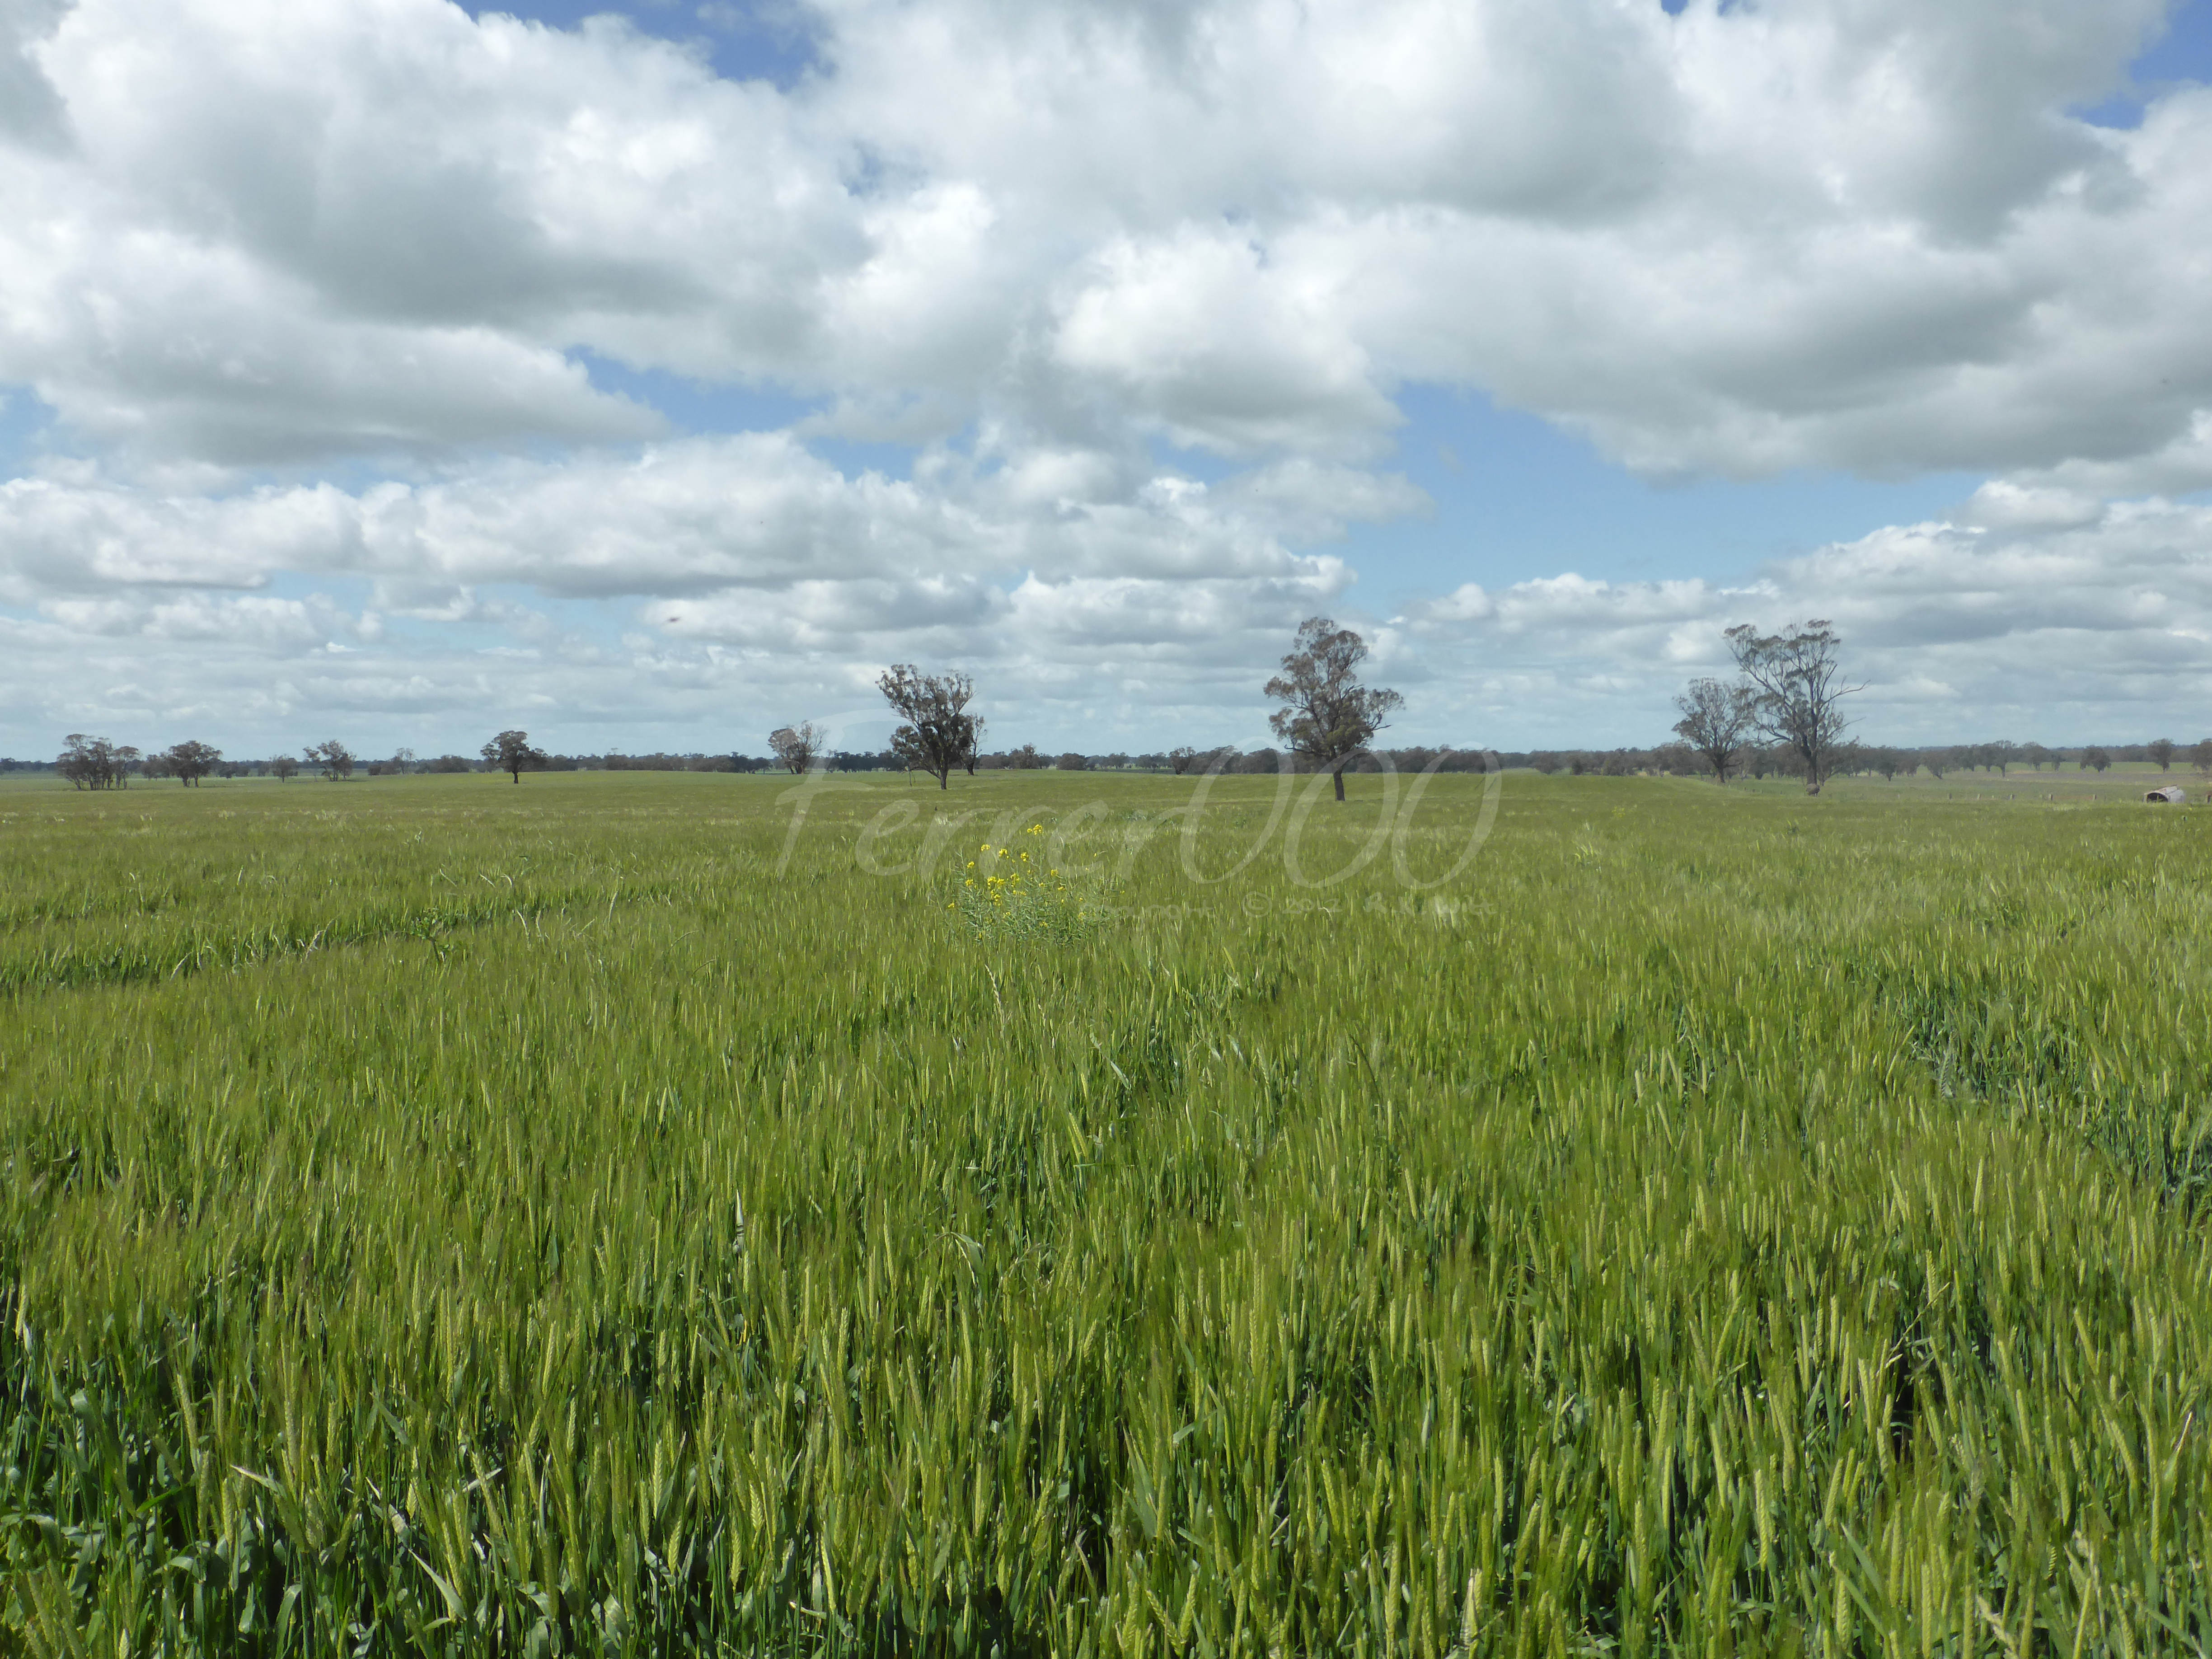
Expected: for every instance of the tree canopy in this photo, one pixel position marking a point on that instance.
(1328, 716)
(189, 761)
(510, 751)
(91, 762)
(939, 733)
(797, 747)
(1716, 720)
(1794, 678)
(332, 758)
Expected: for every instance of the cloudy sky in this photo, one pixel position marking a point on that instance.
(398, 371)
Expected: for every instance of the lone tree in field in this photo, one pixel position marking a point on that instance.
(1328, 716)
(2095, 760)
(190, 761)
(1794, 694)
(1716, 721)
(2162, 750)
(939, 733)
(796, 746)
(510, 751)
(333, 759)
(285, 768)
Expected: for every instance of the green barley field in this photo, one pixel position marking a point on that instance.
(600, 1216)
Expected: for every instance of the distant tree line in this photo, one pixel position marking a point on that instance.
(1864, 760)
(104, 765)
(1782, 716)
(95, 762)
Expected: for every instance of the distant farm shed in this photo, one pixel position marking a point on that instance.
(2172, 795)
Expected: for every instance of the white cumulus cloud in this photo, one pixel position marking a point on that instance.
(314, 288)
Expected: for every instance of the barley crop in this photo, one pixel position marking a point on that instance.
(440, 1218)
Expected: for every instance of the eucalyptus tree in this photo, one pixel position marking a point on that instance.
(510, 752)
(1327, 717)
(332, 758)
(940, 733)
(189, 761)
(1716, 718)
(1795, 680)
(796, 747)
(91, 762)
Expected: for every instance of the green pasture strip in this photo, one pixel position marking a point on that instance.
(1715, 1222)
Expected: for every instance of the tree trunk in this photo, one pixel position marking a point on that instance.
(1339, 783)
